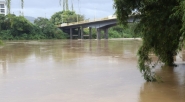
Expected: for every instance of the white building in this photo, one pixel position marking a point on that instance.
(3, 7)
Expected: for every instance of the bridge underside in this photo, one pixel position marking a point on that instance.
(78, 33)
(76, 30)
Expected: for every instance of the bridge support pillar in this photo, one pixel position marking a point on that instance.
(79, 37)
(82, 35)
(106, 33)
(71, 33)
(90, 32)
(98, 35)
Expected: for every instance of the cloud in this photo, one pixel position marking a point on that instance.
(42, 8)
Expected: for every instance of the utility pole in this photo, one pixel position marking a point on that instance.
(63, 8)
(72, 5)
(77, 14)
(67, 5)
(79, 6)
(64, 5)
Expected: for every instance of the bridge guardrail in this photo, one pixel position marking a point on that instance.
(87, 21)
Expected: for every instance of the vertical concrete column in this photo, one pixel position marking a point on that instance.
(82, 31)
(106, 33)
(71, 33)
(98, 33)
(90, 32)
(79, 33)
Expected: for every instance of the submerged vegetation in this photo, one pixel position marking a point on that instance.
(162, 29)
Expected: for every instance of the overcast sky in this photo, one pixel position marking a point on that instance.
(42, 8)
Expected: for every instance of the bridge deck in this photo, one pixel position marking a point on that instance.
(87, 21)
(99, 24)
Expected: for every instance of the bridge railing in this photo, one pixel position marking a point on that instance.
(87, 21)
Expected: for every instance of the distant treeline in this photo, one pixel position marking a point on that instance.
(18, 28)
(14, 27)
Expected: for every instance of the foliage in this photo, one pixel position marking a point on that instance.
(86, 32)
(123, 31)
(162, 27)
(66, 17)
(8, 2)
(12, 27)
(49, 29)
(18, 28)
(114, 34)
(117, 32)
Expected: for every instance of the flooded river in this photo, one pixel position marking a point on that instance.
(82, 71)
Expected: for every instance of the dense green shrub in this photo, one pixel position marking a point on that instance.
(117, 32)
(18, 28)
(123, 32)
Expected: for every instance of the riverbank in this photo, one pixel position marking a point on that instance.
(125, 39)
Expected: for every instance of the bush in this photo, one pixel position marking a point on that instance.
(114, 34)
(18, 28)
(6, 35)
(123, 32)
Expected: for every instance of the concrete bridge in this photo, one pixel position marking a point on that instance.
(100, 24)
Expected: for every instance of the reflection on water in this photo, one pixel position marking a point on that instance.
(82, 71)
(172, 90)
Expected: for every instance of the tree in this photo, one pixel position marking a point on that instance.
(123, 32)
(2, 20)
(8, 2)
(19, 25)
(15, 27)
(65, 17)
(50, 30)
(162, 24)
(72, 8)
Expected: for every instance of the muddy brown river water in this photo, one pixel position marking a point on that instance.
(82, 71)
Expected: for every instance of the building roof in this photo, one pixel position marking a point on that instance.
(2, 2)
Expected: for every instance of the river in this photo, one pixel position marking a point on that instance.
(82, 71)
